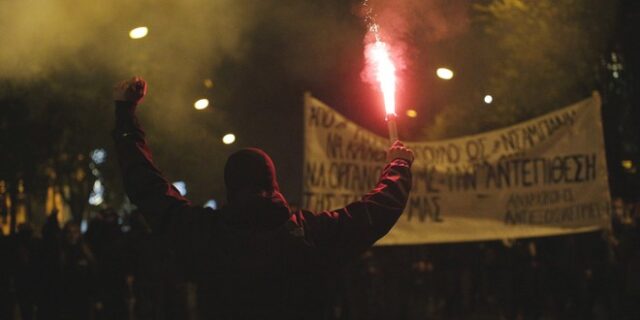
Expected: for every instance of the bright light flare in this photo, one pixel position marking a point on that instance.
(212, 203)
(99, 156)
(201, 104)
(229, 138)
(96, 197)
(385, 72)
(138, 33)
(488, 99)
(181, 186)
(444, 73)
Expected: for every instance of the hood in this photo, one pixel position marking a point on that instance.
(253, 195)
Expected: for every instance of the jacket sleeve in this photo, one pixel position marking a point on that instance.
(167, 212)
(347, 232)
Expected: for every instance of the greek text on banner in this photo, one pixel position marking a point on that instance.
(546, 176)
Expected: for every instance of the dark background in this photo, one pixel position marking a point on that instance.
(60, 60)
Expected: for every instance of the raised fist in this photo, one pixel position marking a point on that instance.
(132, 90)
(399, 151)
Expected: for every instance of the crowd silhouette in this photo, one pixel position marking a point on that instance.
(118, 269)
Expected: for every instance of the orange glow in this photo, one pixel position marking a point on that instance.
(385, 72)
(412, 113)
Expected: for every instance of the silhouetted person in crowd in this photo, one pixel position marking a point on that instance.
(77, 265)
(50, 268)
(6, 277)
(27, 274)
(67, 272)
(107, 243)
(255, 258)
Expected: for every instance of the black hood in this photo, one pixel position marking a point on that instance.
(253, 194)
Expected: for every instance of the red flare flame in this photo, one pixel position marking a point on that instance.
(385, 72)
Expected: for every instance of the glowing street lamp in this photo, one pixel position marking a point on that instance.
(488, 99)
(229, 138)
(138, 33)
(201, 104)
(444, 73)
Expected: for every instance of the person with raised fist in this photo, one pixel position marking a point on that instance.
(255, 258)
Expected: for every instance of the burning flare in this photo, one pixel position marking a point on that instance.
(379, 63)
(385, 72)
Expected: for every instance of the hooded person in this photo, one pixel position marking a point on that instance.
(255, 258)
(253, 195)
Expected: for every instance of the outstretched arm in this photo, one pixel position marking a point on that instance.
(346, 232)
(145, 185)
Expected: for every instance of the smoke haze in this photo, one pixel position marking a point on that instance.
(260, 55)
(37, 35)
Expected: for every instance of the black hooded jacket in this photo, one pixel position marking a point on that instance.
(254, 258)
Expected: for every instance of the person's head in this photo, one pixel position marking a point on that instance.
(250, 172)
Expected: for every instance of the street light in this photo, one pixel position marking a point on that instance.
(201, 104)
(229, 138)
(444, 73)
(138, 33)
(488, 99)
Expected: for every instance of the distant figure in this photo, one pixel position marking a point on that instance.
(254, 258)
(67, 272)
(26, 270)
(50, 269)
(107, 244)
(7, 294)
(77, 265)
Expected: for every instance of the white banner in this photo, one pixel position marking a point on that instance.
(546, 176)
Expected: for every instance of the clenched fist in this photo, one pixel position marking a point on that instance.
(399, 151)
(132, 90)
